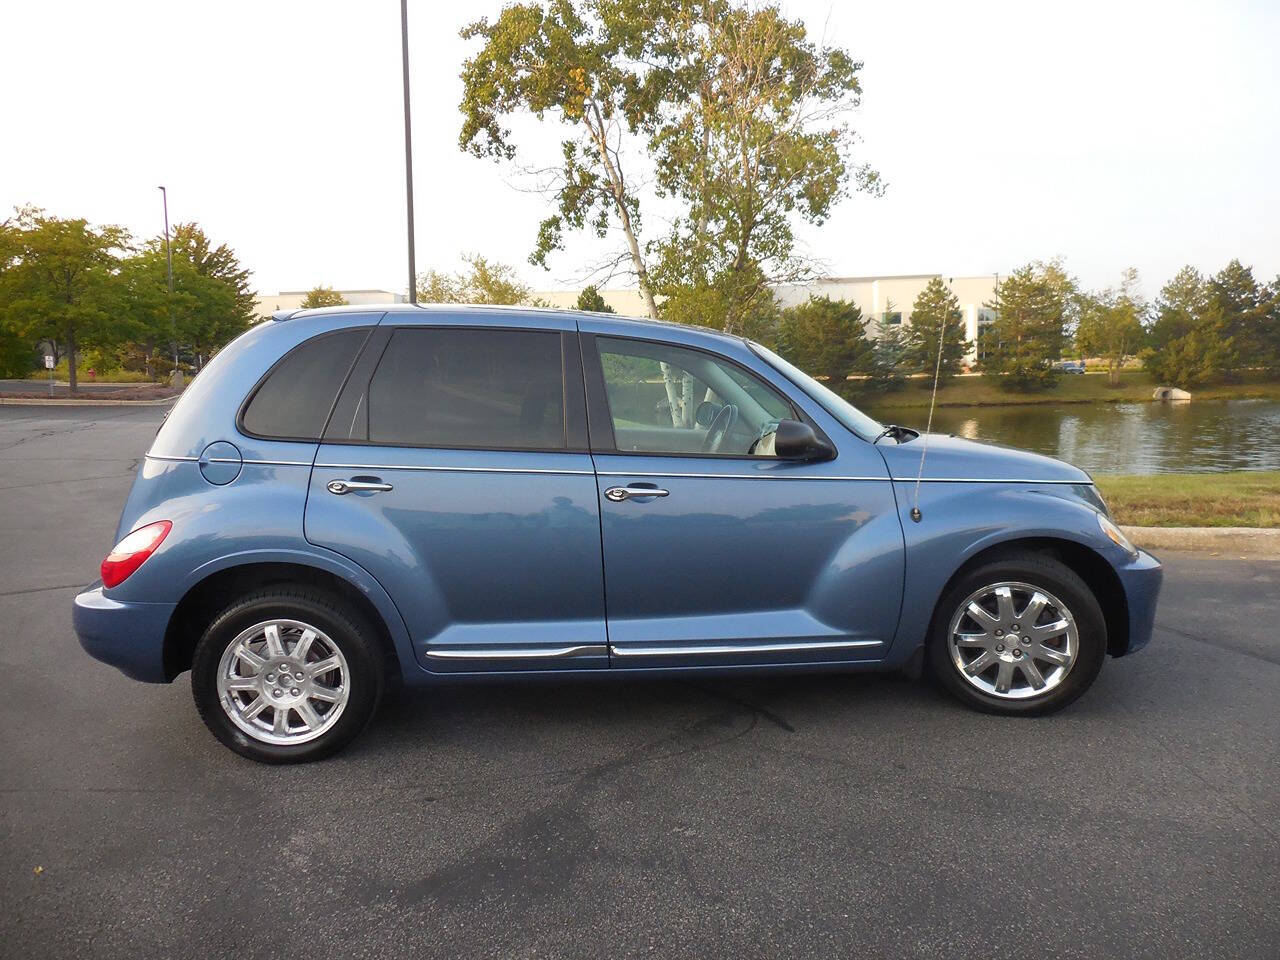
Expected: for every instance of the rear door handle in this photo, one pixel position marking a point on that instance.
(340, 487)
(634, 492)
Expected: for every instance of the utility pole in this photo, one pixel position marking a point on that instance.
(408, 146)
(168, 255)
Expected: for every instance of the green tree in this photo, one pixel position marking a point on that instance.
(825, 337)
(1270, 354)
(890, 357)
(145, 286)
(219, 263)
(482, 281)
(711, 304)
(1209, 329)
(62, 283)
(16, 354)
(1178, 309)
(750, 136)
(1181, 350)
(1033, 305)
(936, 311)
(736, 112)
(204, 311)
(1238, 308)
(567, 61)
(1111, 324)
(590, 299)
(323, 297)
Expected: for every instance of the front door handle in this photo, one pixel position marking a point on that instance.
(634, 492)
(357, 486)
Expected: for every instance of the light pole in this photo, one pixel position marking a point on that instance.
(408, 154)
(168, 255)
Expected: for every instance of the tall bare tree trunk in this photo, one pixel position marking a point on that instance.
(618, 193)
(71, 359)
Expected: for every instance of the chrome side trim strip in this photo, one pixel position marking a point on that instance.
(697, 650)
(982, 480)
(445, 469)
(602, 473)
(769, 476)
(518, 653)
(260, 463)
(721, 476)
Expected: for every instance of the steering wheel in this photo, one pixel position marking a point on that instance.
(720, 428)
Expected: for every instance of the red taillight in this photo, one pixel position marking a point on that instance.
(132, 552)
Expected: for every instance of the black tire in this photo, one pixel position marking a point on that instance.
(1047, 574)
(343, 625)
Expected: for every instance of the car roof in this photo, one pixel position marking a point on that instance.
(502, 312)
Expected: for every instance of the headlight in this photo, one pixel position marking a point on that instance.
(1116, 536)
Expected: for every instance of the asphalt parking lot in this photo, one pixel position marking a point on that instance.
(829, 816)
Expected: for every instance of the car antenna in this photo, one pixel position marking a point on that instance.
(916, 515)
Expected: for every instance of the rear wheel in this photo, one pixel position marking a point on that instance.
(286, 675)
(1020, 635)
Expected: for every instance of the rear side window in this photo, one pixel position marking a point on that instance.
(469, 388)
(294, 400)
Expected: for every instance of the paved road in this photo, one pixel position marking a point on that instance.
(834, 816)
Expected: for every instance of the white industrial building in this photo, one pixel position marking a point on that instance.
(265, 304)
(888, 297)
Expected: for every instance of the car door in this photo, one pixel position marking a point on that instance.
(455, 470)
(714, 553)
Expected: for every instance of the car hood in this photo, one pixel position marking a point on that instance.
(952, 458)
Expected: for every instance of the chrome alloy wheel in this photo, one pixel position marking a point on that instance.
(283, 682)
(1013, 640)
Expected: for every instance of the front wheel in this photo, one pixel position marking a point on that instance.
(1020, 635)
(286, 675)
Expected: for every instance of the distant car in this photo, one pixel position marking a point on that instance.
(345, 499)
(1070, 366)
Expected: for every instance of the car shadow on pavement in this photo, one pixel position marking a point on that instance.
(456, 713)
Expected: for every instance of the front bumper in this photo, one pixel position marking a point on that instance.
(129, 636)
(1141, 579)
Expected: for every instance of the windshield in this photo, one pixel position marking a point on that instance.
(832, 402)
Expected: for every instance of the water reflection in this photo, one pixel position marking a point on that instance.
(1122, 437)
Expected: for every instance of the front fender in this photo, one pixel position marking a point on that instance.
(961, 519)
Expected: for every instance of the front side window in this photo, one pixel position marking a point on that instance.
(501, 389)
(836, 405)
(665, 399)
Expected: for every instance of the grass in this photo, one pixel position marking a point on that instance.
(1135, 385)
(1239, 499)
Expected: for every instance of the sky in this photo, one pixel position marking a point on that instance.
(1108, 133)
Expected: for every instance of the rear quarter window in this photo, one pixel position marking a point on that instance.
(294, 399)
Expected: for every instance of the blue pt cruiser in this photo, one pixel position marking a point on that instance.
(346, 499)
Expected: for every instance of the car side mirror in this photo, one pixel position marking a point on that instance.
(793, 440)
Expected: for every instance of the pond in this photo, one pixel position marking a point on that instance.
(1195, 437)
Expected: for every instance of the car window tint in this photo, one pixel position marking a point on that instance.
(294, 401)
(666, 399)
(469, 388)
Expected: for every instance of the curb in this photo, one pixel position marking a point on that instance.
(1259, 541)
(86, 402)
